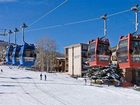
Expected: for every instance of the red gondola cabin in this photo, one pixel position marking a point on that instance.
(128, 52)
(99, 53)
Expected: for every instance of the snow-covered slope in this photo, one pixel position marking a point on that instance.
(21, 87)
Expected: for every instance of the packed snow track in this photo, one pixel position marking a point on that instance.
(24, 87)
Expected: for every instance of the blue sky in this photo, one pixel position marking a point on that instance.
(14, 12)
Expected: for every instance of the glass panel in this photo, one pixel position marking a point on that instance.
(28, 53)
(122, 52)
(135, 51)
(85, 47)
(10, 51)
(84, 53)
(103, 49)
(91, 51)
(136, 47)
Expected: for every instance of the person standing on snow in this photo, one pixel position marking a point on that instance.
(45, 77)
(41, 76)
(85, 81)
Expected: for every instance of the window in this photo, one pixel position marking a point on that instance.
(123, 43)
(136, 47)
(85, 47)
(122, 51)
(91, 49)
(84, 53)
(135, 51)
(103, 49)
(29, 53)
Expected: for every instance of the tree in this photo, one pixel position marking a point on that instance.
(110, 72)
(46, 55)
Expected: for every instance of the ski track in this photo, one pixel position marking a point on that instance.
(51, 95)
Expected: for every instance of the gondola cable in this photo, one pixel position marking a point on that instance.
(77, 22)
(48, 13)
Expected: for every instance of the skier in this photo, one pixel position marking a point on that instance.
(41, 76)
(1, 70)
(85, 81)
(45, 77)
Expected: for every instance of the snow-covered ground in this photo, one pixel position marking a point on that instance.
(22, 87)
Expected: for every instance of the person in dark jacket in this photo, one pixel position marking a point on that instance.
(45, 77)
(41, 76)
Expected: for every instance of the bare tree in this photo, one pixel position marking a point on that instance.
(46, 56)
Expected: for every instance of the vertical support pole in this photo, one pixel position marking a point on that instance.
(23, 29)
(105, 28)
(15, 38)
(8, 38)
(9, 33)
(136, 13)
(15, 31)
(136, 10)
(105, 24)
(23, 35)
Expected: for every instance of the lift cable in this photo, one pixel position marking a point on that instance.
(48, 13)
(77, 22)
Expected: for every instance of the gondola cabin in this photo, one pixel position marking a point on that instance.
(99, 53)
(27, 55)
(128, 51)
(9, 54)
(15, 55)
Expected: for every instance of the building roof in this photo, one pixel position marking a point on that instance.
(76, 45)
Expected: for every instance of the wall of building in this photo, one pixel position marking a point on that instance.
(77, 61)
(70, 61)
(74, 60)
(75, 56)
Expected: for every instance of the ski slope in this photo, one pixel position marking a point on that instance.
(22, 87)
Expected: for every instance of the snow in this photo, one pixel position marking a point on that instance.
(22, 87)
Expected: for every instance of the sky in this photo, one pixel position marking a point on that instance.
(14, 12)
